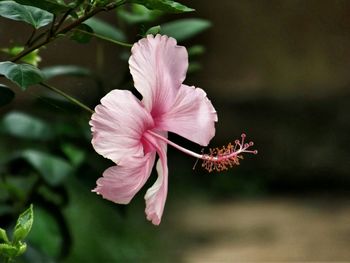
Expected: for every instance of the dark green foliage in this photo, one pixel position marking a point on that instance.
(184, 29)
(65, 70)
(104, 29)
(196, 50)
(75, 155)
(52, 6)
(164, 5)
(23, 75)
(52, 168)
(153, 30)
(23, 225)
(138, 14)
(29, 14)
(16, 247)
(25, 126)
(6, 95)
(79, 35)
(32, 58)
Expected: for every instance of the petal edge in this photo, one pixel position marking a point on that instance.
(118, 124)
(119, 184)
(158, 67)
(192, 116)
(156, 195)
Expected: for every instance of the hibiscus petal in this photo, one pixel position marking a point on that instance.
(118, 124)
(156, 195)
(158, 67)
(120, 183)
(192, 116)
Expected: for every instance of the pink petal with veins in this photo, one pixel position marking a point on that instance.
(118, 125)
(158, 67)
(120, 183)
(192, 116)
(156, 195)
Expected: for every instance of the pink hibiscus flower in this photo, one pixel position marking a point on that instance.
(131, 132)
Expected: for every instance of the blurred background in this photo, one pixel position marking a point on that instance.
(276, 70)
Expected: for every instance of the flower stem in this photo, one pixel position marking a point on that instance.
(105, 38)
(68, 97)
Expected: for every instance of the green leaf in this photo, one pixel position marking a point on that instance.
(70, 70)
(80, 36)
(52, 168)
(22, 247)
(16, 187)
(8, 251)
(3, 235)
(46, 225)
(104, 29)
(23, 75)
(32, 58)
(196, 50)
(25, 126)
(168, 6)
(6, 95)
(51, 6)
(153, 30)
(23, 225)
(138, 14)
(101, 2)
(74, 154)
(185, 28)
(29, 14)
(194, 67)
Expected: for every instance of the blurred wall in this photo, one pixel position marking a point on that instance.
(279, 70)
(277, 47)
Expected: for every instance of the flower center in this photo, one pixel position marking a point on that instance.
(218, 159)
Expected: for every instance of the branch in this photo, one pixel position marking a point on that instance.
(68, 28)
(68, 97)
(31, 37)
(104, 38)
(63, 18)
(52, 27)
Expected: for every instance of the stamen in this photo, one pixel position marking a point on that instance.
(221, 159)
(218, 159)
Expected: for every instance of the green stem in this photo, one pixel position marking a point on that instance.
(105, 38)
(68, 97)
(31, 37)
(51, 31)
(63, 18)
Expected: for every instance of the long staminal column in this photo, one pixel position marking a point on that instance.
(218, 159)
